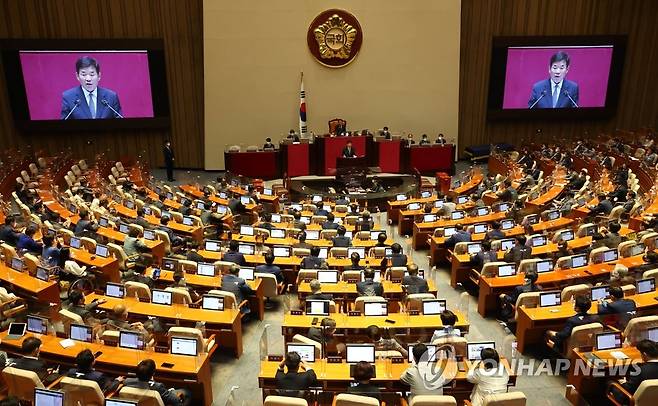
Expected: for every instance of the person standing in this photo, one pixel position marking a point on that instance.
(169, 161)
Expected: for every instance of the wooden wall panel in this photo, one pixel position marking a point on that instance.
(481, 20)
(178, 22)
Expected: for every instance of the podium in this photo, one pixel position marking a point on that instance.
(352, 171)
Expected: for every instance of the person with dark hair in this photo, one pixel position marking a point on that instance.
(88, 100)
(319, 209)
(85, 311)
(486, 254)
(529, 285)
(341, 240)
(460, 235)
(297, 220)
(10, 401)
(556, 91)
(413, 283)
(269, 267)
(368, 287)
(133, 246)
(488, 376)
(650, 262)
(397, 258)
(292, 379)
(231, 282)
(383, 340)
(144, 380)
(448, 320)
(415, 375)
(141, 219)
(563, 250)
(330, 224)
(365, 222)
(30, 360)
(582, 305)
(630, 202)
(84, 369)
(495, 233)
(169, 159)
(424, 140)
(355, 258)
(233, 255)
(175, 240)
(363, 373)
(268, 144)
(325, 334)
(266, 221)
(8, 232)
(301, 238)
(648, 369)
(51, 252)
(615, 304)
(519, 251)
(85, 225)
(441, 139)
(613, 238)
(348, 151)
(604, 206)
(26, 240)
(313, 261)
(381, 240)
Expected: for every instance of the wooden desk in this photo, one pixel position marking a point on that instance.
(108, 266)
(28, 286)
(289, 241)
(394, 207)
(538, 204)
(336, 377)
(226, 324)
(550, 225)
(533, 323)
(424, 230)
(157, 247)
(206, 283)
(187, 371)
(413, 328)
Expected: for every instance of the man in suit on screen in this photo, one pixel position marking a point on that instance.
(556, 92)
(88, 101)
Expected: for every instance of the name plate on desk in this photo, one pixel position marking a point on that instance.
(277, 358)
(162, 349)
(334, 360)
(396, 280)
(413, 312)
(296, 312)
(352, 281)
(397, 360)
(354, 313)
(193, 306)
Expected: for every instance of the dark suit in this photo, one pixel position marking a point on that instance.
(348, 152)
(237, 286)
(273, 269)
(571, 323)
(311, 262)
(320, 296)
(103, 381)
(235, 257)
(517, 253)
(624, 308)
(648, 370)
(546, 102)
(8, 235)
(459, 236)
(169, 397)
(295, 380)
(330, 225)
(604, 207)
(518, 290)
(169, 162)
(370, 288)
(415, 284)
(495, 235)
(82, 112)
(31, 364)
(612, 240)
(370, 390)
(396, 260)
(342, 241)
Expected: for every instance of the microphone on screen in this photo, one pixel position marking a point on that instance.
(76, 103)
(543, 93)
(566, 93)
(106, 104)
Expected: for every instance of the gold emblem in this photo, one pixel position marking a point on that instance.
(335, 38)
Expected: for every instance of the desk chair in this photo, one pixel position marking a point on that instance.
(359, 302)
(284, 401)
(298, 338)
(262, 231)
(187, 266)
(377, 252)
(271, 288)
(164, 237)
(528, 265)
(118, 253)
(395, 273)
(528, 300)
(351, 220)
(649, 239)
(572, 291)
(68, 318)
(652, 273)
(110, 337)
(305, 275)
(309, 207)
(585, 229)
(625, 247)
(204, 345)
(145, 397)
(328, 234)
(138, 290)
(8, 252)
(595, 255)
(318, 219)
(458, 343)
(637, 327)
(31, 262)
(340, 208)
(230, 300)
(89, 244)
(338, 252)
(581, 336)
(301, 252)
(66, 235)
(502, 399)
(133, 226)
(489, 270)
(22, 383)
(345, 399)
(646, 393)
(82, 392)
(179, 295)
(414, 301)
(615, 213)
(433, 400)
(222, 267)
(350, 275)
(461, 248)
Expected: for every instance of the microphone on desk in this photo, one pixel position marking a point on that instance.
(106, 104)
(76, 104)
(543, 93)
(566, 93)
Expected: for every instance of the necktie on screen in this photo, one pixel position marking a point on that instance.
(556, 94)
(92, 105)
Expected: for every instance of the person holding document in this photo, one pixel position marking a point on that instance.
(556, 92)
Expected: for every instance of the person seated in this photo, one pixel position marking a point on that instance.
(29, 361)
(529, 285)
(85, 226)
(363, 373)
(460, 235)
(51, 252)
(141, 217)
(231, 282)
(355, 258)
(381, 240)
(297, 220)
(144, 380)
(582, 305)
(368, 287)
(293, 136)
(301, 241)
(495, 233)
(615, 304)
(386, 134)
(133, 246)
(233, 255)
(265, 221)
(650, 262)
(488, 376)
(486, 254)
(136, 274)
(613, 238)
(413, 283)
(410, 140)
(397, 258)
(117, 319)
(477, 203)
(440, 140)
(563, 250)
(8, 232)
(269, 267)
(259, 244)
(620, 276)
(424, 140)
(69, 268)
(313, 261)
(509, 193)
(365, 222)
(519, 251)
(316, 292)
(319, 209)
(646, 370)
(26, 240)
(268, 144)
(341, 240)
(85, 311)
(384, 342)
(342, 200)
(84, 369)
(175, 240)
(325, 335)
(448, 320)
(376, 186)
(603, 207)
(292, 379)
(415, 376)
(181, 283)
(447, 207)
(330, 224)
